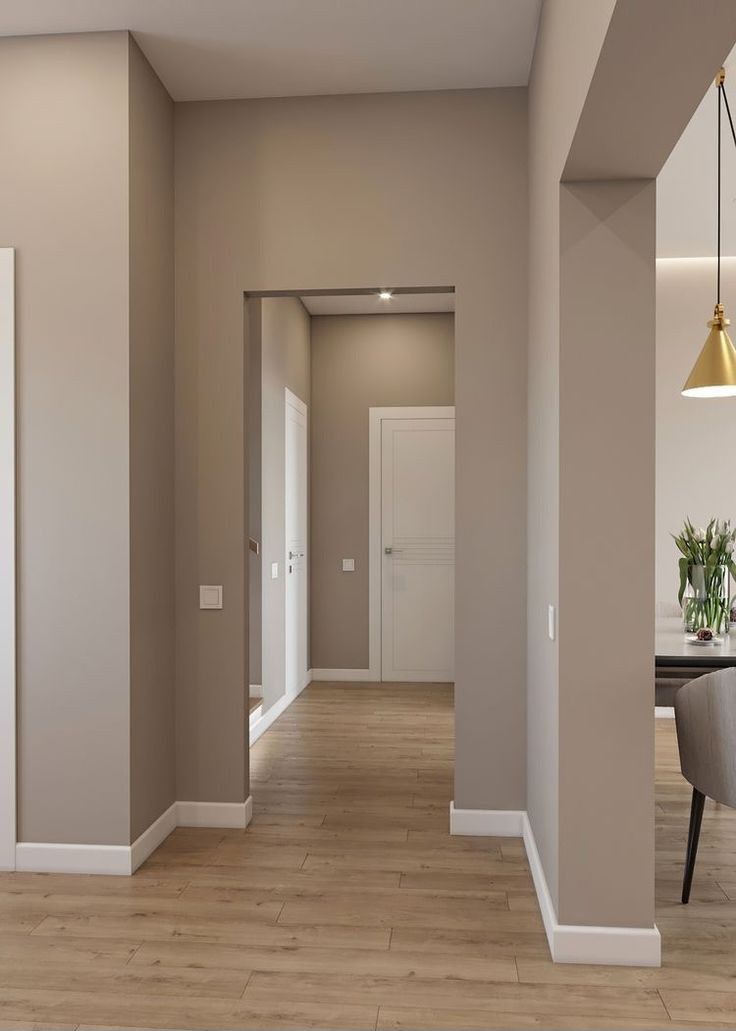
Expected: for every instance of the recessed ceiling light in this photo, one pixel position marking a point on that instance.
(385, 295)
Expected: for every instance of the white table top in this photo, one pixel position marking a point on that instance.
(672, 647)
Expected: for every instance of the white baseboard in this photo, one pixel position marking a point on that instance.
(124, 860)
(664, 712)
(568, 943)
(268, 716)
(571, 943)
(255, 690)
(214, 814)
(491, 823)
(349, 676)
(42, 857)
(151, 838)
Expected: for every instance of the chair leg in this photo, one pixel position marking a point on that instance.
(693, 836)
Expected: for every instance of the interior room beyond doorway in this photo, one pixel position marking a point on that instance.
(368, 376)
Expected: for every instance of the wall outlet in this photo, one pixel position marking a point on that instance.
(551, 622)
(274, 570)
(348, 565)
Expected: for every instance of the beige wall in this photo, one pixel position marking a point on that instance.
(253, 448)
(606, 545)
(86, 198)
(694, 437)
(152, 694)
(359, 362)
(594, 112)
(64, 205)
(413, 190)
(557, 90)
(285, 361)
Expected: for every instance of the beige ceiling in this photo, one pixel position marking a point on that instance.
(218, 49)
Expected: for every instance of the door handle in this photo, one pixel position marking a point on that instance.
(389, 550)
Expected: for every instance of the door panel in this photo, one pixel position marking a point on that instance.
(295, 559)
(418, 549)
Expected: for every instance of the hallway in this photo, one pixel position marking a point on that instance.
(346, 904)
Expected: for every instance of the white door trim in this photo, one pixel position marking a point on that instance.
(292, 401)
(375, 420)
(7, 560)
(296, 402)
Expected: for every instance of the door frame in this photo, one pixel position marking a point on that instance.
(376, 417)
(8, 828)
(291, 400)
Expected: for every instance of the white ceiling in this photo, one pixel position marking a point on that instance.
(220, 49)
(686, 186)
(371, 304)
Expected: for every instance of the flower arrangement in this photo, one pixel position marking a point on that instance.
(707, 558)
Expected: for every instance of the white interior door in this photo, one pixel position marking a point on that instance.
(295, 560)
(418, 549)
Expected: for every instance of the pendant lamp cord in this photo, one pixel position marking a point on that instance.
(718, 290)
(722, 93)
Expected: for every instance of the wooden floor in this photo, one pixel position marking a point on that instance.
(347, 905)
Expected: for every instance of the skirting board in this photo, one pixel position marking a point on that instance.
(490, 823)
(347, 676)
(568, 943)
(150, 839)
(40, 857)
(124, 860)
(664, 712)
(268, 716)
(255, 690)
(214, 814)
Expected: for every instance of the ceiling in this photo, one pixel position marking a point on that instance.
(225, 49)
(686, 186)
(371, 304)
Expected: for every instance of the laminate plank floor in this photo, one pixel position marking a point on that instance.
(346, 903)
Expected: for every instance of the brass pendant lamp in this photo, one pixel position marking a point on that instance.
(714, 373)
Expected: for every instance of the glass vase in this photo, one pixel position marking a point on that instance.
(705, 602)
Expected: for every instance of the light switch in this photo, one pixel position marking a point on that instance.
(274, 570)
(210, 597)
(348, 565)
(551, 622)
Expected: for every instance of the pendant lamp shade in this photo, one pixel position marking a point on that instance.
(714, 373)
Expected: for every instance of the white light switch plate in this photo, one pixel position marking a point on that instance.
(210, 596)
(274, 570)
(551, 622)
(348, 565)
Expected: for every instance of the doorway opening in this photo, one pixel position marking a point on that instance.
(350, 472)
(691, 492)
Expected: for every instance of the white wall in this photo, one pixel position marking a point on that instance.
(695, 437)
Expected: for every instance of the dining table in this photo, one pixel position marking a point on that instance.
(675, 649)
(679, 660)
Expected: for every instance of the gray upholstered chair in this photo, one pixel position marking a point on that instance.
(705, 711)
